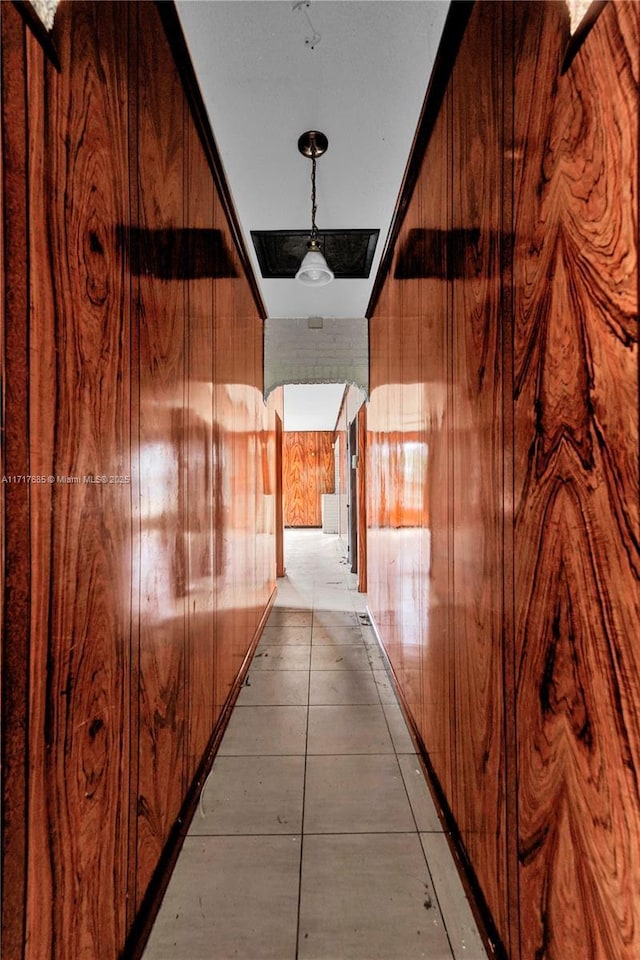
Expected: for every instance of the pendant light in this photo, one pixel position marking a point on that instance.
(313, 271)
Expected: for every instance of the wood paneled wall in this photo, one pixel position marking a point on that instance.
(308, 472)
(576, 496)
(505, 390)
(144, 547)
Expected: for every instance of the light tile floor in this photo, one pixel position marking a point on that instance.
(316, 837)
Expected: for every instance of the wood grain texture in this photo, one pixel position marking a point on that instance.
(42, 377)
(477, 483)
(162, 452)
(437, 534)
(519, 583)
(199, 532)
(577, 530)
(80, 423)
(308, 472)
(14, 346)
(42, 390)
(142, 597)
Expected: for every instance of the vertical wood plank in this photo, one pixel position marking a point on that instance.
(577, 500)
(116, 683)
(199, 531)
(227, 627)
(528, 348)
(433, 300)
(14, 226)
(478, 441)
(42, 384)
(161, 442)
(80, 678)
(506, 320)
(133, 265)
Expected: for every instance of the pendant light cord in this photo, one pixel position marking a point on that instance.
(314, 229)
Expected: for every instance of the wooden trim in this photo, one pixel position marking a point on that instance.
(143, 924)
(361, 418)
(176, 40)
(482, 915)
(40, 32)
(454, 29)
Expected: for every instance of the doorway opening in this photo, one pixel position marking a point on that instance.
(321, 467)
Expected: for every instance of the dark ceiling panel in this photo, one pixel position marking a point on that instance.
(349, 253)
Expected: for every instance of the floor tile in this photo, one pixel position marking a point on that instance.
(292, 595)
(265, 731)
(342, 612)
(237, 893)
(347, 656)
(340, 633)
(461, 926)
(342, 687)
(419, 796)
(284, 688)
(251, 795)
(366, 890)
(348, 729)
(385, 689)
(300, 636)
(328, 587)
(332, 618)
(398, 728)
(289, 617)
(355, 794)
(368, 897)
(281, 658)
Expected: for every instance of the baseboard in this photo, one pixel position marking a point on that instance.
(481, 912)
(152, 901)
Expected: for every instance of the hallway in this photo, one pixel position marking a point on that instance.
(316, 836)
(489, 437)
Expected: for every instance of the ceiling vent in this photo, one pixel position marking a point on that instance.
(280, 252)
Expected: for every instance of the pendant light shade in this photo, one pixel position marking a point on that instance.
(314, 271)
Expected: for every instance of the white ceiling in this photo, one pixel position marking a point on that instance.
(312, 406)
(363, 85)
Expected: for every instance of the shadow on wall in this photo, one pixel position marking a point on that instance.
(184, 253)
(447, 254)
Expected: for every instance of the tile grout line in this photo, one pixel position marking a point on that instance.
(304, 784)
(413, 815)
(311, 833)
(309, 593)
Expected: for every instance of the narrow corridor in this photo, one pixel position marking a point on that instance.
(316, 836)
